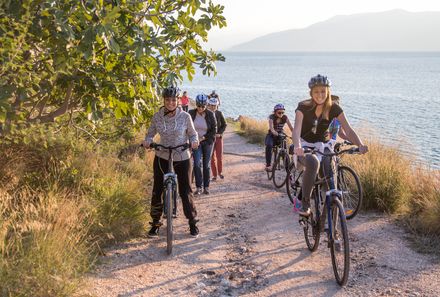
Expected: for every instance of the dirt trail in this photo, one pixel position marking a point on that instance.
(252, 245)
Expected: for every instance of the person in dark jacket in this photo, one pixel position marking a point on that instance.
(206, 127)
(217, 153)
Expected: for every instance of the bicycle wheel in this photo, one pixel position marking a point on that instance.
(280, 169)
(339, 244)
(312, 232)
(348, 182)
(274, 155)
(169, 210)
(293, 182)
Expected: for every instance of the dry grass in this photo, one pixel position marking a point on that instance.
(60, 201)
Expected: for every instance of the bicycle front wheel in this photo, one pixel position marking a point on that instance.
(280, 169)
(350, 186)
(339, 244)
(169, 201)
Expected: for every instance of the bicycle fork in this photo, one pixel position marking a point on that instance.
(170, 178)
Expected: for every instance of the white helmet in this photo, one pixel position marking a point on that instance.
(213, 101)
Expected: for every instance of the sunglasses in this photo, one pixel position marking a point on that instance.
(280, 112)
(200, 105)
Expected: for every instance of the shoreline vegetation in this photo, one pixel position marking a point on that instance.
(62, 199)
(391, 183)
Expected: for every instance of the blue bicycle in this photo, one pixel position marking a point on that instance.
(331, 210)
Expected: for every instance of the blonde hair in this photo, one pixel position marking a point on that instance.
(327, 104)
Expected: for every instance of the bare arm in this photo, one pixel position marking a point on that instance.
(271, 128)
(296, 133)
(351, 134)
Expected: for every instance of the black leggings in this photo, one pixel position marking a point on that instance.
(311, 168)
(183, 171)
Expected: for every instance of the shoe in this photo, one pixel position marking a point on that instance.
(206, 191)
(193, 230)
(305, 212)
(214, 178)
(221, 176)
(268, 168)
(198, 191)
(174, 215)
(154, 231)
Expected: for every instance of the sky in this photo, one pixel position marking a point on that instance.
(248, 19)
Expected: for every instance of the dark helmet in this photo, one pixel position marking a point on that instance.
(201, 99)
(279, 106)
(170, 92)
(319, 80)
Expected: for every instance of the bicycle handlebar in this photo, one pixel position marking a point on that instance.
(157, 146)
(352, 150)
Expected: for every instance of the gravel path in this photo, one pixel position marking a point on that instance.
(252, 245)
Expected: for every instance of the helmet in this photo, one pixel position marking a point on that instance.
(279, 106)
(319, 80)
(170, 92)
(201, 99)
(212, 101)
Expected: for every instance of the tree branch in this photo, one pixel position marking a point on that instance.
(50, 117)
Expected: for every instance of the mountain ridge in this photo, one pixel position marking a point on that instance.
(393, 30)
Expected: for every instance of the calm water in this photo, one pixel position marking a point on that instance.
(394, 95)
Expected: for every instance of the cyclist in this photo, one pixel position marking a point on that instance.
(206, 127)
(184, 100)
(175, 127)
(215, 95)
(277, 120)
(217, 152)
(335, 129)
(312, 120)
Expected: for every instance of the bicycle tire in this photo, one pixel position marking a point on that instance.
(312, 231)
(349, 183)
(293, 177)
(274, 155)
(169, 209)
(280, 169)
(342, 252)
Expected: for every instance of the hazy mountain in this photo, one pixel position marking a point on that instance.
(395, 30)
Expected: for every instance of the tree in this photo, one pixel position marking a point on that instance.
(98, 57)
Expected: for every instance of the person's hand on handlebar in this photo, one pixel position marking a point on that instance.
(195, 145)
(146, 144)
(363, 149)
(299, 151)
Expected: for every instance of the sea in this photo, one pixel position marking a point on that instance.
(390, 97)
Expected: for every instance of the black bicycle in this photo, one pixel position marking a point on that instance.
(170, 189)
(281, 161)
(331, 210)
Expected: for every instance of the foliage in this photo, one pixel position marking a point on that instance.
(61, 199)
(97, 57)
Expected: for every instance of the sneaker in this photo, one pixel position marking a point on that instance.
(198, 191)
(221, 176)
(305, 212)
(193, 230)
(206, 191)
(154, 231)
(214, 178)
